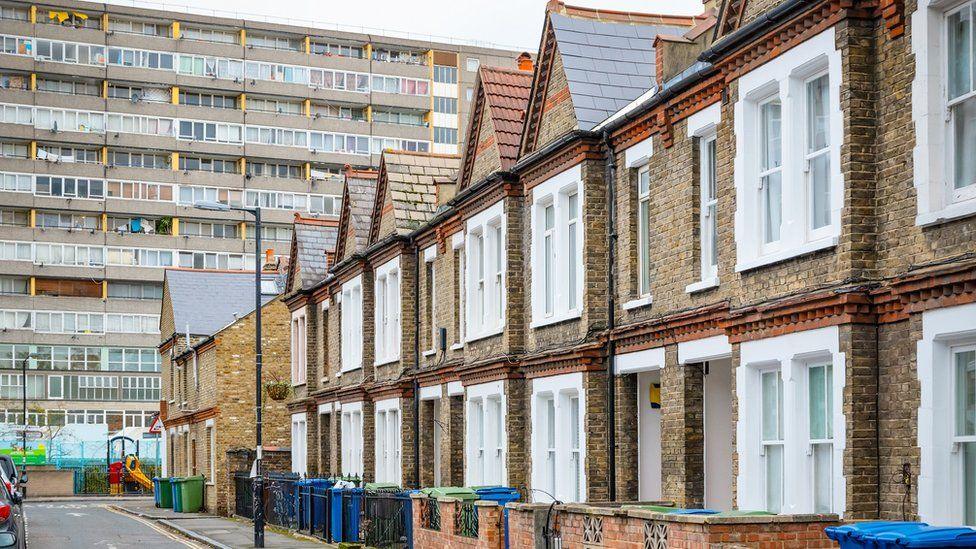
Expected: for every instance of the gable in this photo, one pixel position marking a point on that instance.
(291, 280)
(486, 158)
(557, 116)
(540, 95)
(730, 18)
(387, 217)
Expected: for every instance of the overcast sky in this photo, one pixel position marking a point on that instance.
(514, 23)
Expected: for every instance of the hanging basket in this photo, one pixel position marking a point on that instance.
(277, 390)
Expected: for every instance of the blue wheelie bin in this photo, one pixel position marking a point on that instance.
(501, 494)
(335, 496)
(693, 512)
(926, 537)
(310, 494)
(177, 500)
(860, 535)
(350, 519)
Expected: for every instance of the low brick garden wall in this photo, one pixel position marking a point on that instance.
(448, 523)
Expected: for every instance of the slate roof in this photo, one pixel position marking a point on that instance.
(361, 193)
(507, 97)
(411, 179)
(608, 57)
(207, 301)
(314, 238)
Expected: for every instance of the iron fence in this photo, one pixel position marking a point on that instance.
(315, 511)
(280, 501)
(466, 519)
(430, 514)
(243, 495)
(386, 520)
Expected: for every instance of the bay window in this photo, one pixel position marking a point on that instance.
(485, 272)
(387, 312)
(961, 104)
(558, 439)
(351, 426)
(387, 448)
(557, 258)
(486, 437)
(351, 319)
(788, 130)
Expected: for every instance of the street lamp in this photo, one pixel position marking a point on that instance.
(23, 370)
(257, 487)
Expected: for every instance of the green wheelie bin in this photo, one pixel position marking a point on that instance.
(191, 494)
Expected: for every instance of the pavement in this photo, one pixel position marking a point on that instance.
(210, 530)
(77, 523)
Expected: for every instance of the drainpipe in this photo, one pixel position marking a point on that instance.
(416, 365)
(611, 169)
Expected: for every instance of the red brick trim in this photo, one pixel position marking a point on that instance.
(297, 301)
(492, 369)
(398, 389)
(945, 286)
(684, 326)
(661, 119)
(570, 154)
(799, 314)
(446, 229)
(893, 12)
(585, 358)
(388, 252)
(306, 404)
(438, 375)
(194, 417)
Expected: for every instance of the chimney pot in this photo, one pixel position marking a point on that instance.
(525, 62)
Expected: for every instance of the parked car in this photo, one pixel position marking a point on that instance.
(9, 473)
(12, 532)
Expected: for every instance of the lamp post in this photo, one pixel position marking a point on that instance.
(23, 374)
(258, 482)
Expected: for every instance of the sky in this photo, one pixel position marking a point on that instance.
(511, 23)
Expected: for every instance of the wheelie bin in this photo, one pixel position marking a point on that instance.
(462, 493)
(191, 494)
(859, 535)
(925, 538)
(174, 483)
(163, 492)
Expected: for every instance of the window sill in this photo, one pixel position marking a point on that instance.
(556, 319)
(637, 303)
(457, 346)
(949, 213)
(475, 337)
(785, 255)
(385, 361)
(429, 353)
(299, 384)
(704, 284)
(349, 371)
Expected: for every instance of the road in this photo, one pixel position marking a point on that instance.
(66, 525)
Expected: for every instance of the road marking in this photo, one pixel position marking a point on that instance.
(155, 527)
(78, 514)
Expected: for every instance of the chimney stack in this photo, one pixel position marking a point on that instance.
(524, 62)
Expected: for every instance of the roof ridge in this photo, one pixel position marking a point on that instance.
(299, 218)
(557, 6)
(507, 70)
(422, 153)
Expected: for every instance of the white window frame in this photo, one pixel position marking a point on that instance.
(791, 355)
(351, 427)
(555, 191)
(485, 273)
(940, 481)
(299, 443)
(644, 281)
(387, 308)
(429, 257)
(564, 390)
(351, 324)
(487, 435)
(299, 347)
(932, 155)
(784, 78)
(703, 126)
(388, 447)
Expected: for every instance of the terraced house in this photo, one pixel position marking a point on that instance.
(115, 121)
(723, 260)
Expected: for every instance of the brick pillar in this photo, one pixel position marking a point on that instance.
(682, 432)
(452, 453)
(515, 419)
(408, 462)
(312, 442)
(859, 345)
(428, 425)
(369, 442)
(627, 443)
(326, 467)
(491, 533)
(597, 438)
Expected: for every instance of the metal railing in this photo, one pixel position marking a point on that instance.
(430, 514)
(280, 501)
(386, 519)
(466, 519)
